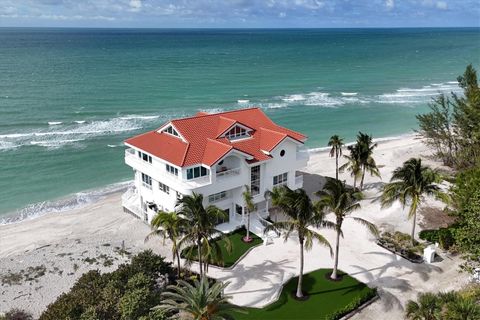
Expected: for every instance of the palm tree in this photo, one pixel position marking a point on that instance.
(200, 301)
(342, 201)
(250, 207)
(336, 143)
(365, 147)
(302, 215)
(201, 229)
(353, 164)
(169, 225)
(409, 185)
(428, 307)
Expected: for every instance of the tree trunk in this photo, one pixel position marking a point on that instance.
(355, 182)
(248, 224)
(361, 181)
(199, 252)
(413, 227)
(178, 262)
(336, 165)
(300, 276)
(337, 246)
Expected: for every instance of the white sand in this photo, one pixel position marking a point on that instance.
(59, 241)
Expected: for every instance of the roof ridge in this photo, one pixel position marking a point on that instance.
(216, 114)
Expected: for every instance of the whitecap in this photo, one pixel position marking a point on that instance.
(243, 101)
(140, 117)
(348, 94)
(54, 123)
(80, 121)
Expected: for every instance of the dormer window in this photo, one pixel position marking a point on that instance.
(236, 132)
(171, 131)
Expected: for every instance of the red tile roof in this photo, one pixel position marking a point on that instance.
(204, 144)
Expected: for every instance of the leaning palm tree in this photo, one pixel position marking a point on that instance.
(336, 143)
(353, 164)
(409, 185)
(250, 207)
(201, 230)
(365, 147)
(169, 225)
(200, 301)
(341, 200)
(302, 215)
(427, 307)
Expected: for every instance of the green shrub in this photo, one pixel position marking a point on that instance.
(443, 236)
(353, 305)
(126, 293)
(16, 314)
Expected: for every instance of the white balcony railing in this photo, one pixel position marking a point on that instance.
(228, 173)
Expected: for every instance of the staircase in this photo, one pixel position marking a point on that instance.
(257, 225)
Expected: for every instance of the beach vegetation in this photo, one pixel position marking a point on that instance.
(16, 314)
(126, 293)
(301, 215)
(201, 231)
(169, 225)
(452, 127)
(336, 197)
(365, 146)
(410, 184)
(336, 143)
(401, 243)
(201, 300)
(454, 305)
(353, 164)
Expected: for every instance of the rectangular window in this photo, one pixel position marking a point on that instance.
(236, 132)
(164, 188)
(217, 196)
(147, 181)
(197, 172)
(280, 180)
(145, 157)
(171, 169)
(255, 180)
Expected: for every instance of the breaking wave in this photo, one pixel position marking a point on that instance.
(74, 201)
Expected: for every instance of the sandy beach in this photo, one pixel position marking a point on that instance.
(42, 257)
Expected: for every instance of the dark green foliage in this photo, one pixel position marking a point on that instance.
(442, 236)
(127, 293)
(16, 314)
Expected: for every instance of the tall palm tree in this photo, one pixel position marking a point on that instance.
(337, 198)
(250, 207)
(409, 185)
(427, 307)
(365, 147)
(169, 225)
(353, 164)
(301, 216)
(200, 301)
(336, 143)
(201, 229)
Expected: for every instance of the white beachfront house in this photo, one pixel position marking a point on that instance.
(216, 155)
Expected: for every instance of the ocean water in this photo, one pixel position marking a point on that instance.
(69, 97)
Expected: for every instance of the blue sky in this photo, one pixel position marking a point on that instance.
(240, 13)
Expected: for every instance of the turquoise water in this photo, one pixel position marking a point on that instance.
(69, 97)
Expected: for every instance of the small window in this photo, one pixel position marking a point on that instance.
(171, 131)
(236, 133)
(147, 181)
(145, 157)
(197, 172)
(217, 196)
(164, 188)
(282, 153)
(171, 169)
(280, 180)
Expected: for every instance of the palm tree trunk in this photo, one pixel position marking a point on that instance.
(355, 182)
(199, 252)
(300, 276)
(336, 165)
(248, 225)
(363, 177)
(335, 265)
(413, 228)
(178, 262)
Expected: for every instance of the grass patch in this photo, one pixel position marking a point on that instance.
(327, 299)
(238, 248)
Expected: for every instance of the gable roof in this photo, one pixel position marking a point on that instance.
(203, 142)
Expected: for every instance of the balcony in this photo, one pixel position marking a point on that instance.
(228, 173)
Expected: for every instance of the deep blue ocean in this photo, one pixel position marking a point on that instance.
(69, 97)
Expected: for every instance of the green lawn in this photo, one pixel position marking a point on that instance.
(238, 247)
(327, 299)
